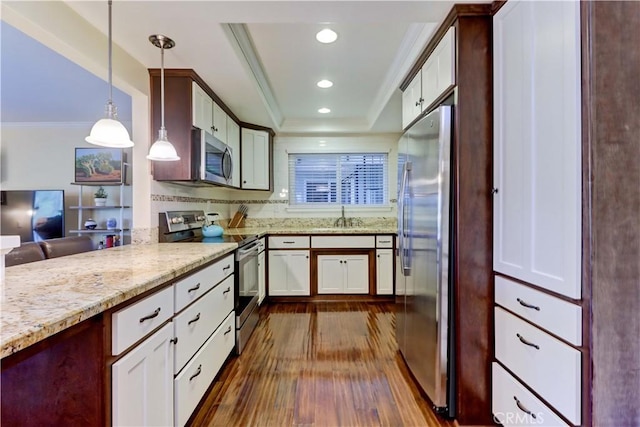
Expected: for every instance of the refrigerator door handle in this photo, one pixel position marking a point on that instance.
(403, 244)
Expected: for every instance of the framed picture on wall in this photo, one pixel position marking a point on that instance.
(99, 165)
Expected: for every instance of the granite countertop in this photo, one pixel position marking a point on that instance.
(42, 298)
(262, 231)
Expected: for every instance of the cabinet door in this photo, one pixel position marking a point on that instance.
(233, 141)
(202, 109)
(356, 274)
(429, 81)
(261, 277)
(331, 274)
(384, 271)
(299, 273)
(142, 383)
(219, 123)
(411, 100)
(445, 54)
(537, 207)
(289, 273)
(255, 159)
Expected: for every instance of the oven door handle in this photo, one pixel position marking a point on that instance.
(254, 249)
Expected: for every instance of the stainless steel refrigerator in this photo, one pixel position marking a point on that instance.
(424, 326)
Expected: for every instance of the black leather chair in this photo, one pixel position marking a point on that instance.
(27, 252)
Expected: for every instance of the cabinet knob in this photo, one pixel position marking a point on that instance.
(174, 340)
(494, 191)
(378, 256)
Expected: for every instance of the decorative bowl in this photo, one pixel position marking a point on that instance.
(90, 224)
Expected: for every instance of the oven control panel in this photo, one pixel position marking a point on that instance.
(182, 220)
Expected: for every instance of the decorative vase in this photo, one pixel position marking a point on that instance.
(112, 224)
(100, 201)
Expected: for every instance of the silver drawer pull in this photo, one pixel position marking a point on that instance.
(195, 288)
(524, 304)
(198, 372)
(227, 290)
(227, 267)
(150, 316)
(523, 409)
(195, 319)
(288, 242)
(529, 343)
(227, 331)
(384, 241)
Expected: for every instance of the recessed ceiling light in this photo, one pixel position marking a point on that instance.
(324, 110)
(322, 143)
(325, 84)
(326, 36)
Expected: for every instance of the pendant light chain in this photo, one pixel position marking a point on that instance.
(162, 83)
(110, 59)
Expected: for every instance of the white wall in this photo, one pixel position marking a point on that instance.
(42, 157)
(264, 205)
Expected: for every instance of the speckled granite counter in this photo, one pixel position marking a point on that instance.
(262, 231)
(43, 298)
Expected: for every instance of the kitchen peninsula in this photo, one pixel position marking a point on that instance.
(55, 340)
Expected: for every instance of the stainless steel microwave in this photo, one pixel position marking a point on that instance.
(216, 164)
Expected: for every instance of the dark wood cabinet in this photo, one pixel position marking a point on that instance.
(178, 117)
(472, 99)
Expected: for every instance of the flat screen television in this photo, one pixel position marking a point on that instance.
(34, 215)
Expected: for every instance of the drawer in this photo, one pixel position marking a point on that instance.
(559, 317)
(135, 321)
(194, 380)
(343, 242)
(546, 364)
(195, 324)
(514, 405)
(194, 286)
(286, 242)
(384, 241)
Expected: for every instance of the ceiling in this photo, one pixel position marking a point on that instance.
(262, 59)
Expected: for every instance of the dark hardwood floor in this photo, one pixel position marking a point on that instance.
(318, 364)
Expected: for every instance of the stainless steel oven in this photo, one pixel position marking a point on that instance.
(186, 226)
(246, 296)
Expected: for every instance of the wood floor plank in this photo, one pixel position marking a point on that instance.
(323, 364)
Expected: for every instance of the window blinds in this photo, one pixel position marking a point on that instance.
(339, 179)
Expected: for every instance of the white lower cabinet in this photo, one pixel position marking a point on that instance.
(142, 386)
(289, 273)
(549, 366)
(194, 380)
(192, 343)
(384, 271)
(514, 405)
(343, 274)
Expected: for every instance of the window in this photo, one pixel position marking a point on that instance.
(338, 179)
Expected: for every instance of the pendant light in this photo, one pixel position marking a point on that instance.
(162, 150)
(109, 132)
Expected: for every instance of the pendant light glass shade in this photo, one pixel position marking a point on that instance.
(162, 150)
(109, 132)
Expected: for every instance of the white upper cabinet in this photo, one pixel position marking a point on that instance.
(537, 157)
(219, 123)
(233, 141)
(202, 105)
(438, 73)
(412, 100)
(432, 80)
(255, 159)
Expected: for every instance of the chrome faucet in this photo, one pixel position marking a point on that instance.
(342, 221)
